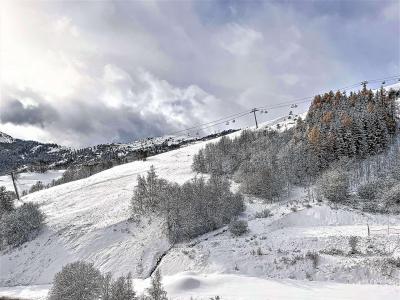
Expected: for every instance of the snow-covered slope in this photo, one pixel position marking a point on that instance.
(88, 220)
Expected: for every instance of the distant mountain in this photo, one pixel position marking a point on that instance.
(19, 155)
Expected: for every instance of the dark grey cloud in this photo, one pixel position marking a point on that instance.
(14, 111)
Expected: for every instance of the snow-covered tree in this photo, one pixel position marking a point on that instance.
(156, 290)
(334, 185)
(21, 224)
(78, 280)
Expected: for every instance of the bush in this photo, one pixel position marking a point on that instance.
(368, 190)
(335, 186)
(78, 280)
(353, 242)
(6, 201)
(38, 186)
(314, 257)
(392, 196)
(21, 225)
(263, 214)
(238, 227)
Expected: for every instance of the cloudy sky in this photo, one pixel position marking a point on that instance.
(86, 72)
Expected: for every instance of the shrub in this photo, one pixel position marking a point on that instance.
(38, 186)
(392, 196)
(334, 185)
(353, 242)
(6, 201)
(265, 213)
(78, 280)
(314, 257)
(21, 225)
(368, 190)
(238, 227)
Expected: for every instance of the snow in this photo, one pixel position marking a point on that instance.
(4, 138)
(187, 285)
(27, 179)
(88, 220)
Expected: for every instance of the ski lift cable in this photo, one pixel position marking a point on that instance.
(306, 99)
(283, 104)
(224, 119)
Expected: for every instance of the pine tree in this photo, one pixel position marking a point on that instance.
(156, 290)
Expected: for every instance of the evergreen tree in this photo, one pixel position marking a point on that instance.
(156, 290)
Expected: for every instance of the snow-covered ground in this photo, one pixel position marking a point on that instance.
(27, 179)
(88, 220)
(186, 285)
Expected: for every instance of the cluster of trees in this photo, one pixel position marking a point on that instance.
(356, 125)
(18, 224)
(194, 208)
(81, 280)
(338, 127)
(260, 161)
(375, 191)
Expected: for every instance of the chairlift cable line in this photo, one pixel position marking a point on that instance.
(281, 105)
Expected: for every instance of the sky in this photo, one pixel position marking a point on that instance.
(81, 73)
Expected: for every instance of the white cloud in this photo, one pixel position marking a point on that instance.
(239, 40)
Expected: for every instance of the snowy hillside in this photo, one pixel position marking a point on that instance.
(302, 244)
(88, 220)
